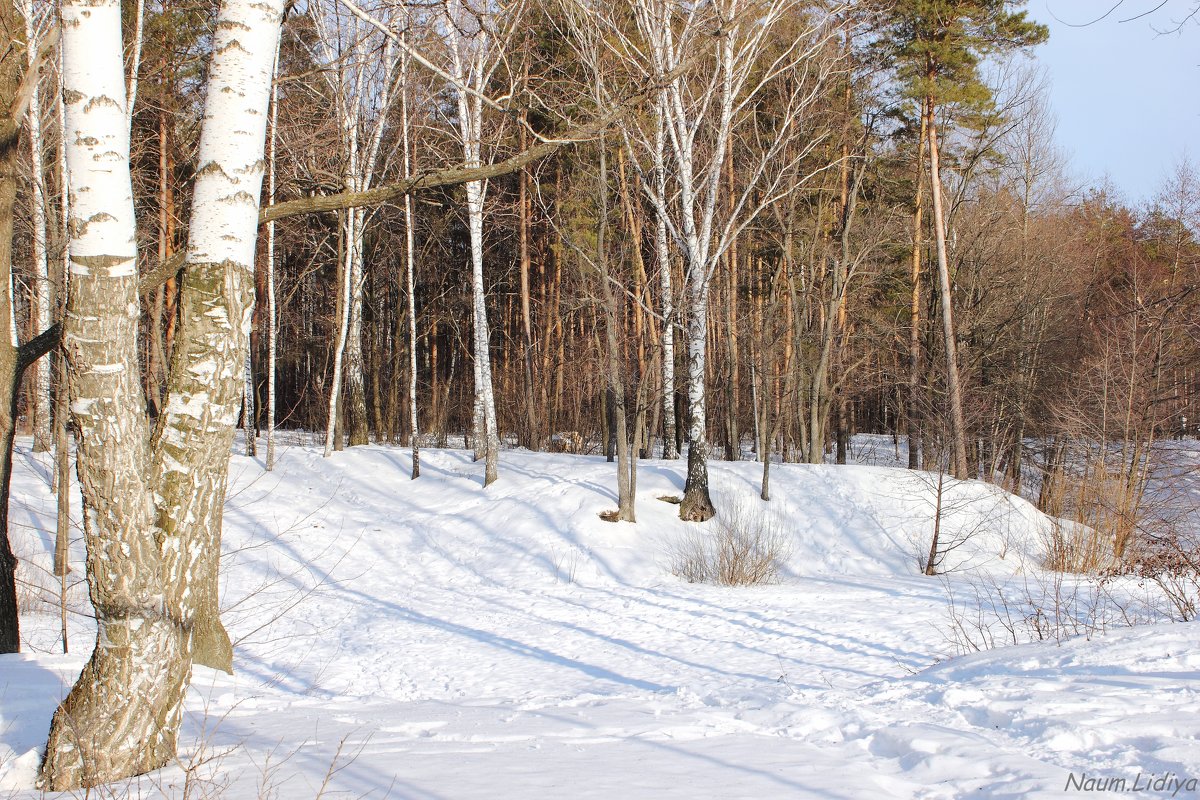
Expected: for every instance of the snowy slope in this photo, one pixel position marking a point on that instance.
(459, 642)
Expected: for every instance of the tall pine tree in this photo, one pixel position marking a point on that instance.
(936, 47)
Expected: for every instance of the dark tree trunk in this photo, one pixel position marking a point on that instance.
(11, 57)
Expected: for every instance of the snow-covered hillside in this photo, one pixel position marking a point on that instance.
(436, 639)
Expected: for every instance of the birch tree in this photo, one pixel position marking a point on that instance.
(475, 37)
(153, 498)
(363, 86)
(409, 258)
(702, 114)
(272, 310)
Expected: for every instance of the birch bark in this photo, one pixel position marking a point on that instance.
(142, 656)
(472, 65)
(152, 502)
(663, 251)
(362, 86)
(698, 120)
(410, 282)
(272, 317)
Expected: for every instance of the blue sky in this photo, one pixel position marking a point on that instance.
(1127, 97)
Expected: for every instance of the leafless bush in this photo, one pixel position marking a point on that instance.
(1171, 564)
(986, 612)
(1072, 546)
(745, 547)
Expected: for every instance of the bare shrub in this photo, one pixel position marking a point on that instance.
(1138, 524)
(990, 613)
(985, 612)
(1172, 565)
(1072, 546)
(745, 547)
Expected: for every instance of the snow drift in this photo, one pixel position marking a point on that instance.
(439, 639)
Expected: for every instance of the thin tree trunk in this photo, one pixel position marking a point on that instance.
(734, 450)
(40, 307)
(352, 362)
(248, 424)
(486, 399)
(470, 69)
(62, 533)
(353, 365)
(345, 292)
(62, 459)
(531, 426)
(157, 356)
(915, 412)
(932, 561)
(953, 390)
(663, 251)
(135, 59)
(619, 430)
(272, 311)
(410, 281)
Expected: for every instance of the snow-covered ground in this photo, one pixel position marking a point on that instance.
(434, 639)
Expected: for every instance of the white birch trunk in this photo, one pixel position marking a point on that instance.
(152, 507)
(663, 251)
(191, 451)
(272, 312)
(345, 289)
(699, 119)
(410, 282)
(88, 741)
(135, 59)
(483, 356)
(469, 57)
(356, 394)
(360, 91)
(248, 403)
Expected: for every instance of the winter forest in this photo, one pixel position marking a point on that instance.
(560, 398)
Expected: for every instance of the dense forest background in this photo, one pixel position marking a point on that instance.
(834, 218)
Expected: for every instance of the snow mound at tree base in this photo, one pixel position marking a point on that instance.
(541, 521)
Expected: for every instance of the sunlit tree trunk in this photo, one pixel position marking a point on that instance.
(532, 427)
(152, 504)
(410, 252)
(345, 292)
(626, 469)
(249, 428)
(272, 312)
(663, 252)
(470, 70)
(953, 388)
(143, 652)
(915, 401)
(40, 307)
